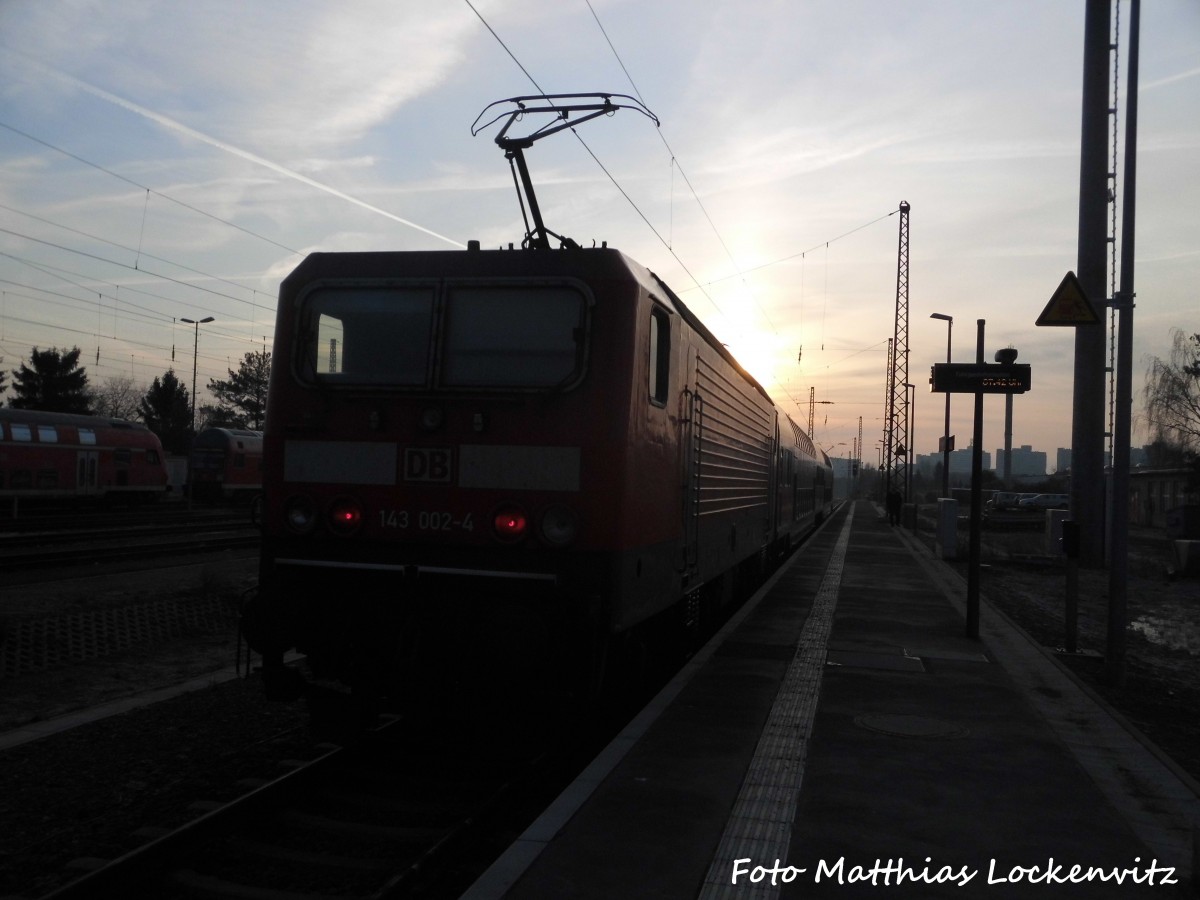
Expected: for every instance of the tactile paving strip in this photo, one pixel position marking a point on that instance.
(34, 645)
(760, 825)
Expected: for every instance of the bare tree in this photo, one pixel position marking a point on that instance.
(118, 397)
(1172, 393)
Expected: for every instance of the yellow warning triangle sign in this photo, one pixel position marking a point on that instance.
(1069, 305)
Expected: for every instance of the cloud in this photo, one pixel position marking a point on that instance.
(189, 132)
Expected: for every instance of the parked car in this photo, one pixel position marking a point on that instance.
(1045, 501)
(1006, 500)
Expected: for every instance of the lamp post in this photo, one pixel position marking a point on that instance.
(195, 351)
(949, 320)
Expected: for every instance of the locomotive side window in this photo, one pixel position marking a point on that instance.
(47, 434)
(660, 355)
(368, 335)
(497, 336)
(87, 436)
(21, 432)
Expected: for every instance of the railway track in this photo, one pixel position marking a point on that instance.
(383, 817)
(90, 546)
(51, 520)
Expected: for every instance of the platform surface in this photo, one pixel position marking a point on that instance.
(843, 737)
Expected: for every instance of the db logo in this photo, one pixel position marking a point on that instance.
(427, 464)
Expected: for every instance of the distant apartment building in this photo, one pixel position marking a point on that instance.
(960, 464)
(1062, 460)
(1027, 464)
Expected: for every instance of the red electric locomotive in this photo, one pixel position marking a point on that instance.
(226, 465)
(479, 463)
(62, 456)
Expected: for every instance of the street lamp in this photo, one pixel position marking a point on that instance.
(195, 351)
(949, 320)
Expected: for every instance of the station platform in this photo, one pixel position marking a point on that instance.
(843, 737)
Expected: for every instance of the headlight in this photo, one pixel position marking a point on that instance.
(559, 526)
(301, 515)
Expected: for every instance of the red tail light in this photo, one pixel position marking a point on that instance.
(345, 516)
(510, 524)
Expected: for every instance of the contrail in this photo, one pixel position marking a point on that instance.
(1171, 79)
(170, 123)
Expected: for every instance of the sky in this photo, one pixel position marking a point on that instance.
(161, 161)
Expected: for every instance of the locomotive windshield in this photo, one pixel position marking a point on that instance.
(370, 335)
(455, 337)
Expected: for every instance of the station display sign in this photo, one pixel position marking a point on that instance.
(980, 378)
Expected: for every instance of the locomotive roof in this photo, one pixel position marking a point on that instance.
(578, 262)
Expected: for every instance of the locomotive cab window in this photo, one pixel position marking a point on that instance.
(490, 336)
(367, 335)
(660, 355)
(500, 336)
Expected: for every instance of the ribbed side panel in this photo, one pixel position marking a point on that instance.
(735, 444)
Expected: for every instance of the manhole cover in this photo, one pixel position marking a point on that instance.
(911, 726)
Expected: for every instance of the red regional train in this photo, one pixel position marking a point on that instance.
(478, 462)
(226, 465)
(63, 456)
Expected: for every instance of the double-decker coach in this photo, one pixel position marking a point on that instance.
(531, 458)
(63, 456)
(226, 465)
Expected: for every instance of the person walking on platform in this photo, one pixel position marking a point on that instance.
(894, 502)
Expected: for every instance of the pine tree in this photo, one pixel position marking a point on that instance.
(166, 410)
(54, 382)
(242, 399)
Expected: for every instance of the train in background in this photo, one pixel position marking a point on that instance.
(485, 467)
(68, 457)
(225, 466)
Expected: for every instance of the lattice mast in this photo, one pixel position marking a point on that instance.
(897, 419)
(884, 446)
(858, 450)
